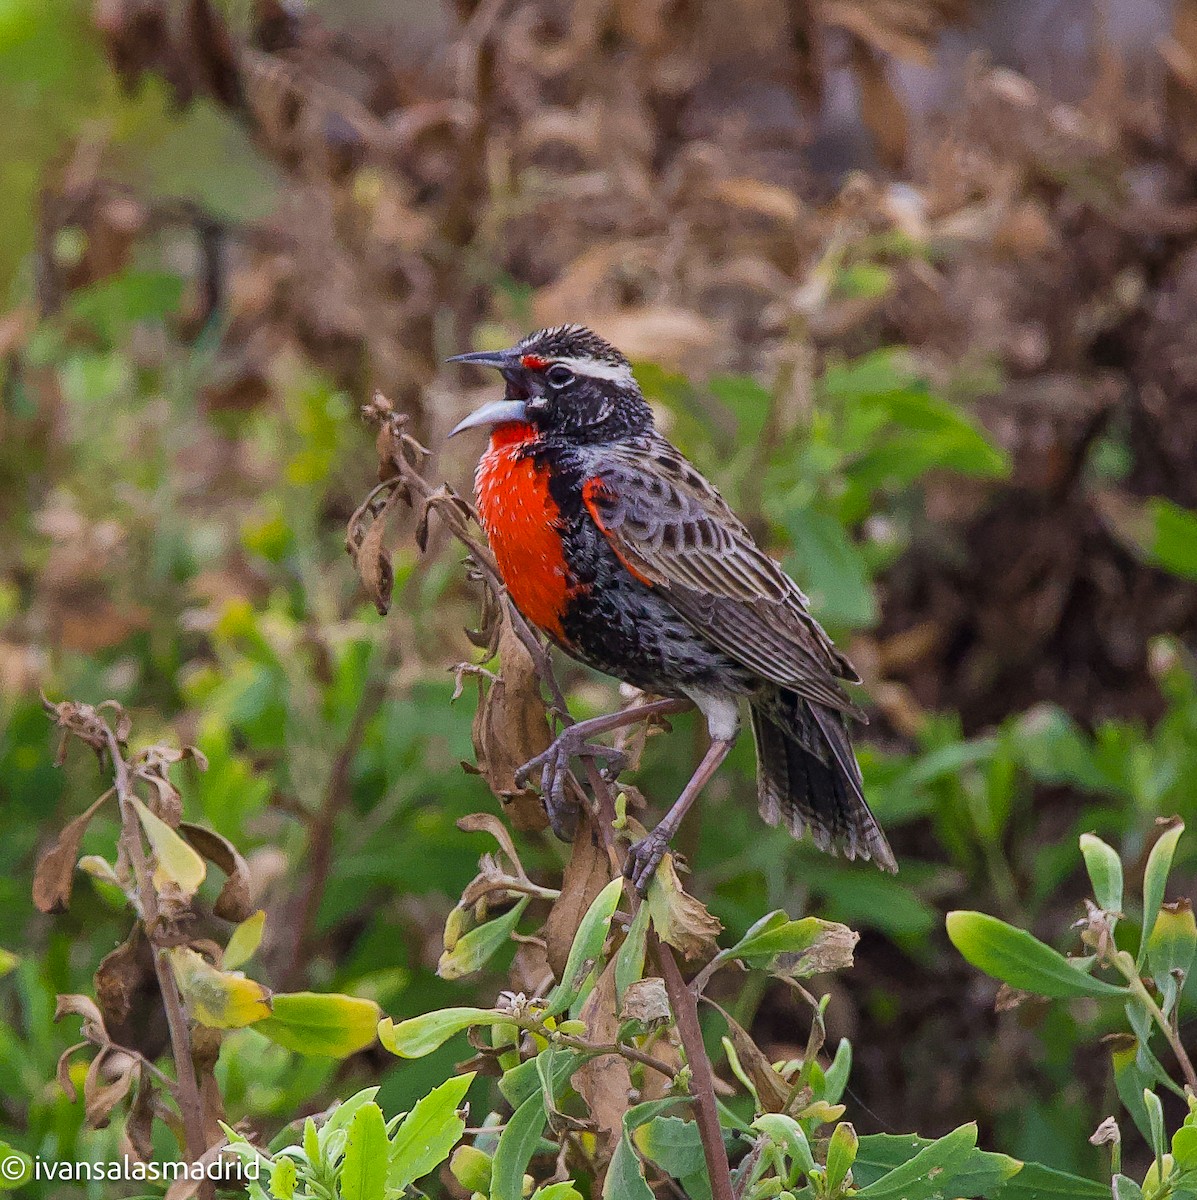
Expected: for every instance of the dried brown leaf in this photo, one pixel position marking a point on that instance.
(772, 1090)
(604, 1082)
(63, 1071)
(646, 1001)
(128, 996)
(679, 919)
(510, 727)
(373, 561)
(137, 1134)
(586, 874)
(108, 1080)
(54, 878)
(489, 823)
(84, 1006)
(234, 902)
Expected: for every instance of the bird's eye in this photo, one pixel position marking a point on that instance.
(559, 376)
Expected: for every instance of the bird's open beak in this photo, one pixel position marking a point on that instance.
(496, 412)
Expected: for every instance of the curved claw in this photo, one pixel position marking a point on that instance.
(644, 857)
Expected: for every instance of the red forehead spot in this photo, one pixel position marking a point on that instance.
(534, 362)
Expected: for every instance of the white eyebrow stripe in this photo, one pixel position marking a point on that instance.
(616, 372)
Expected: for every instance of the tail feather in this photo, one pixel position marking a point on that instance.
(808, 778)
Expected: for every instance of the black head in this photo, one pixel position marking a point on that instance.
(568, 383)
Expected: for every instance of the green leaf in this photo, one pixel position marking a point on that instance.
(1126, 1189)
(1155, 1123)
(1171, 947)
(1155, 880)
(835, 1078)
(629, 959)
(557, 1191)
(284, 1176)
(785, 1132)
(218, 999)
(841, 1154)
(327, 1024)
(1035, 1182)
(797, 949)
(363, 1174)
(1131, 1081)
(586, 949)
(673, 1144)
(517, 1144)
(17, 1168)
(311, 1141)
(471, 1168)
(1184, 1147)
(912, 1168)
(473, 950)
(831, 568)
(418, 1036)
(176, 861)
(428, 1133)
(244, 941)
(521, 1081)
(1163, 533)
(1021, 960)
(625, 1178)
(343, 1113)
(1105, 872)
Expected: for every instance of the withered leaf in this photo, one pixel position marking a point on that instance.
(83, 1006)
(586, 874)
(489, 823)
(604, 1082)
(128, 996)
(510, 727)
(646, 1001)
(63, 1071)
(137, 1135)
(772, 1090)
(121, 974)
(679, 919)
(107, 1083)
(234, 902)
(55, 875)
(373, 561)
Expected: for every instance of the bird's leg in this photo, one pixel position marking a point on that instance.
(574, 742)
(645, 856)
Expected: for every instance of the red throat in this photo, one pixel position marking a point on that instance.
(522, 522)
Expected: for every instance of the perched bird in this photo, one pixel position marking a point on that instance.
(616, 548)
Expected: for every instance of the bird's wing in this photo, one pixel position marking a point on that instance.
(673, 530)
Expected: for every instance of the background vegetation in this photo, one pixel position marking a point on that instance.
(925, 316)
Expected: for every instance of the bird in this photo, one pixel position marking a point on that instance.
(618, 550)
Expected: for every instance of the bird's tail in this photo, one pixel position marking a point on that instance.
(807, 777)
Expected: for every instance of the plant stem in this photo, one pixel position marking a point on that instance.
(322, 828)
(187, 1093)
(702, 1087)
(1125, 965)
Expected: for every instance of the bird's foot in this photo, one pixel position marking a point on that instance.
(553, 765)
(644, 857)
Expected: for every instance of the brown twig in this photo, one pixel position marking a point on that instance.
(187, 1093)
(702, 1086)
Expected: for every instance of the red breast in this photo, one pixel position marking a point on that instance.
(523, 525)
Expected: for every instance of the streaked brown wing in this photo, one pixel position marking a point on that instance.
(673, 530)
